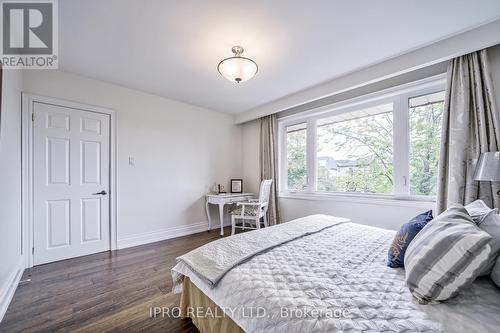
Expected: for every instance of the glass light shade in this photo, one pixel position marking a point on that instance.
(237, 69)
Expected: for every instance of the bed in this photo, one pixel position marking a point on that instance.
(330, 278)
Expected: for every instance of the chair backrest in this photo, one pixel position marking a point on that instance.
(265, 191)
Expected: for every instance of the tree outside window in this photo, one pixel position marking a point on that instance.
(354, 150)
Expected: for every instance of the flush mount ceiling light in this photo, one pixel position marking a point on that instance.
(237, 69)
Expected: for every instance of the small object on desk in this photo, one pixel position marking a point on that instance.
(221, 200)
(236, 185)
(220, 189)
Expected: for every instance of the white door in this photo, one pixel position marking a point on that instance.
(71, 182)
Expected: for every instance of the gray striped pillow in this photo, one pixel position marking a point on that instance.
(446, 256)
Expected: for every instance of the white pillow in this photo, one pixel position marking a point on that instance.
(491, 224)
(478, 210)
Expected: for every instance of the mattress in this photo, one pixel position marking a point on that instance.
(193, 298)
(337, 281)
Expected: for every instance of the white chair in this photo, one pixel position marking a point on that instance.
(253, 210)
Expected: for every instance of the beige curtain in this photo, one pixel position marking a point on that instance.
(269, 163)
(471, 126)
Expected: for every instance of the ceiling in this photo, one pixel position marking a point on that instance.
(172, 48)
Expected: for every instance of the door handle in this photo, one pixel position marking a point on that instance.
(103, 192)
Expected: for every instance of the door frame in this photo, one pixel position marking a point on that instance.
(27, 161)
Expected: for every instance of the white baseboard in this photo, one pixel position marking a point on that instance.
(9, 287)
(163, 234)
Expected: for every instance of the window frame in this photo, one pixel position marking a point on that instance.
(399, 96)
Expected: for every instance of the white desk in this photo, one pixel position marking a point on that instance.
(221, 200)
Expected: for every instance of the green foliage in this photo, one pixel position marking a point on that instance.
(296, 159)
(367, 143)
(362, 151)
(425, 136)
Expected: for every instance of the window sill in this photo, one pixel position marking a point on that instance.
(372, 199)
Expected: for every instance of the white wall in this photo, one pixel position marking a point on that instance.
(383, 214)
(180, 151)
(10, 183)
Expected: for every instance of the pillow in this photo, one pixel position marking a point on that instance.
(408, 231)
(446, 256)
(491, 224)
(478, 210)
(495, 273)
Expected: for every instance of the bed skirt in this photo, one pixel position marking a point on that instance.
(205, 314)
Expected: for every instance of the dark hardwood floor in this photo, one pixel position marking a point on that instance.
(104, 292)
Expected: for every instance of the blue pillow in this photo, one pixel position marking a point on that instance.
(405, 235)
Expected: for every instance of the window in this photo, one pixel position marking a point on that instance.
(296, 141)
(354, 151)
(425, 117)
(385, 144)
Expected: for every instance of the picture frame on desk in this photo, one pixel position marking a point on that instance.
(236, 185)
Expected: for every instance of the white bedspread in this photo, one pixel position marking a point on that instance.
(341, 268)
(213, 260)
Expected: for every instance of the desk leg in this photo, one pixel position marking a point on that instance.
(207, 208)
(221, 217)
